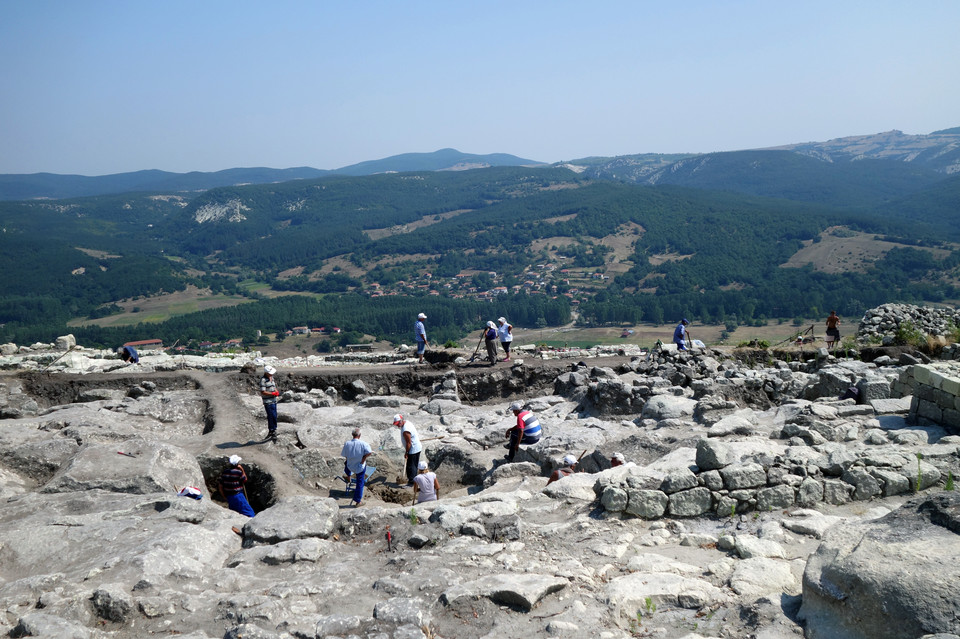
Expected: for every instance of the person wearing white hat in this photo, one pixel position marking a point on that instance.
(411, 446)
(420, 335)
(617, 459)
(490, 341)
(505, 330)
(233, 480)
(269, 394)
(425, 485)
(568, 468)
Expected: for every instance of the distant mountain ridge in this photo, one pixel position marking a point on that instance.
(56, 186)
(896, 156)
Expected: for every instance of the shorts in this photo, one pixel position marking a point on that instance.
(421, 346)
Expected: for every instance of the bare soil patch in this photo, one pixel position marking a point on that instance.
(841, 251)
(426, 220)
(160, 308)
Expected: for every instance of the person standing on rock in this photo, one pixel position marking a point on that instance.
(411, 447)
(355, 453)
(420, 335)
(506, 337)
(833, 330)
(526, 431)
(681, 334)
(233, 479)
(128, 354)
(269, 394)
(425, 485)
(568, 468)
(490, 341)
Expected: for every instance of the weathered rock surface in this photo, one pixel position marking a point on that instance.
(887, 578)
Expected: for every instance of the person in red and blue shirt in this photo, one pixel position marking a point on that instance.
(527, 430)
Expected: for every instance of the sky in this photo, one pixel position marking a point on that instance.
(101, 87)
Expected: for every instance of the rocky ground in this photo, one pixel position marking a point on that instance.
(755, 502)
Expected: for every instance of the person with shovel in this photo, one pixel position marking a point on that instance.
(411, 446)
(232, 487)
(681, 335)
(490, 336)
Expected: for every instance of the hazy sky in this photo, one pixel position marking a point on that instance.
(97, 87)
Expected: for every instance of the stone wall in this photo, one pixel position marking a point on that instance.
(936, 393)
(803, 476)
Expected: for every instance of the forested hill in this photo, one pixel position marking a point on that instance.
(53, 186)
(539, 241)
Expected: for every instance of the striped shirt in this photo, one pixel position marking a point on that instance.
(268, 385)
(528, 424)
(232, 480)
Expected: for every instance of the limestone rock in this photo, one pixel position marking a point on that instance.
(887, 578)
(295, 517)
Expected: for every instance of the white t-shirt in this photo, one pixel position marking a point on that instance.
(424, 482)
(415, 446)
(504, 330)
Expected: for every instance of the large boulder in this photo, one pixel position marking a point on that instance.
(296, 517)
(889, 578)
(660, 407)
(139, 467)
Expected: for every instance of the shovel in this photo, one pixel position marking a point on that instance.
(474, 356)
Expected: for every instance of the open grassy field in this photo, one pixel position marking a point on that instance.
(162, 307)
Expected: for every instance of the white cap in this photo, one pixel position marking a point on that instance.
(397, 419)
(422, 465)
(421, 316)
(235, 460)
(502, 320)
(618, 456)
(491, 324)
(516, 406)
(569, 460)
(269, 370)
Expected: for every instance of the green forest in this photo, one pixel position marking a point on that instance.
(77, 258)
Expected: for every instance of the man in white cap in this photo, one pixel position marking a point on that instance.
(232, 482)
(506, 337)
(420, 335)
(411, 446)
(568, 468)
(526, 431)
(355, 453)
(617, 459)
(269, 394)
(490, 341)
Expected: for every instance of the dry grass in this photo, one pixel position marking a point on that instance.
(841, 251)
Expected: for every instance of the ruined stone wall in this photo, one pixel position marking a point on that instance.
(936, 393)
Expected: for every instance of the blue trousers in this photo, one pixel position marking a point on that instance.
(238, 503)
(271, 417)
(361, 482)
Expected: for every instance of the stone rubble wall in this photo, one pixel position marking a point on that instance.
(803, 476)
(883, 321)
(936, 393)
